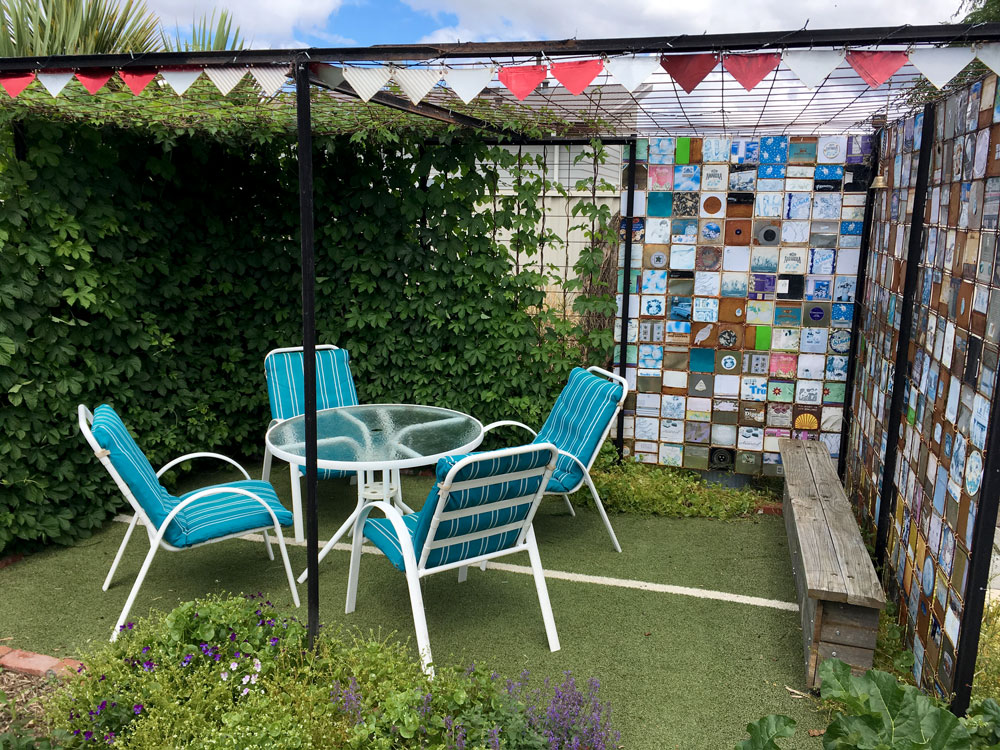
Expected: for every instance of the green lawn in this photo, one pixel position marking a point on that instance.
(679, 671)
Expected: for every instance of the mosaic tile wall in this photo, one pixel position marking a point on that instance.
(743, 279)
(951, 367)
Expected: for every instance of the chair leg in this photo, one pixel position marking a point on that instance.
(420, 622)
(288, 565)
(297, 524)
(121, 551)
(569, 505)
(543, 592)
(600, 509)
(267, 541)
(265, 472)
(463, 573)
(353, 571)
(135, 590)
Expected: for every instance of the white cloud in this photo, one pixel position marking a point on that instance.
(486, 20)
(265, 23)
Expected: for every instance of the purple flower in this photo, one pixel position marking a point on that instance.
(137, 709)
(187, 660)
(148, 666)
(88, 735)
(274, 641)
(145, 649)
(232, 637)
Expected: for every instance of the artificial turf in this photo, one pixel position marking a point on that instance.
(678, 671)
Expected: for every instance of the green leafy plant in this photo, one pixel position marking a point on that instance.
(764, 732)
(18, 736)
(633, 487)
(227, 672)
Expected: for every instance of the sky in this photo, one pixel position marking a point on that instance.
(333, 23)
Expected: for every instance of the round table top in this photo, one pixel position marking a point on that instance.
(377, 436)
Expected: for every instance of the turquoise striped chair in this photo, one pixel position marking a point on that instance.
(334, 387)
(577, 425)
(480, 508)
(211, 514)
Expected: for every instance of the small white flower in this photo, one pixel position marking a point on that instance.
(245, 691)
(234, 665)
(253, 680)
(246, 679)
(224, 676)
(256, 665)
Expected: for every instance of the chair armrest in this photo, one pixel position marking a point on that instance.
(188, 456)
(510, 423)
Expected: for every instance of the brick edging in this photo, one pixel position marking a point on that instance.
(39, 665)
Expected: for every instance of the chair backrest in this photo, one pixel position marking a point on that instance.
(334, 382)
(481, 503)
(582, 415)
(125, 461)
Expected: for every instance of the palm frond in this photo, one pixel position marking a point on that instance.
(206, 34)
(65, 27)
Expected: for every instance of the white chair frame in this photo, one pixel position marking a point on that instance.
(86, 419)
(416, 569)
(585, 479)
(298, 522)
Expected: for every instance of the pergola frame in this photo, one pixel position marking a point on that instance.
(302, 61)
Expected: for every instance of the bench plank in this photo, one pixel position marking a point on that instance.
(858, 577)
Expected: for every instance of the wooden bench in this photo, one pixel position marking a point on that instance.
(840, 596)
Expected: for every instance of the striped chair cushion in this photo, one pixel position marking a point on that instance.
(131, 463)
(577, 424)
(220, 515)
(334, 387)
(382, 534)
(203, 520)
(334, 382)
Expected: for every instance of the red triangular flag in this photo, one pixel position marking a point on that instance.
(688, 70)
(137, 79)
(876, 67)
(576, 76)
(14, 83)
(93, 78)
(749, 70)
(522, 79)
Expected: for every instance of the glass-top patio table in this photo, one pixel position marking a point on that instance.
(371, 438)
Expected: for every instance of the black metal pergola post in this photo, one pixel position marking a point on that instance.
(626, 283)
(305, 156)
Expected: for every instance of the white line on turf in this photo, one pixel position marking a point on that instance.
(561, 575)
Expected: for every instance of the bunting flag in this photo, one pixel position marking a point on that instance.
(137, 78)
(631, 72)
(416, 83)
(55, 80)
(689, 70)
(940, 65)
(367, 82)
(577, 75)
(749, 70)
(329, 75)
(521, 80)
(876, 67)
(181, 78)
(15, 83)
(225, 78)
(270, 78)
(989, 55)
(813, 66)
(468, 82)
(94, 78)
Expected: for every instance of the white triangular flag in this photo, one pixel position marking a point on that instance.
(270, 78)
(630, 72)
(225, 79)
(54, 82)
(990, 55)
(468, 82)
(416, 82)
(940, 64)
(328, 75)
(812, 66)
(180, 80)
(367, 81)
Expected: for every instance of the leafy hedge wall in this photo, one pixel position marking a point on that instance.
(155, 272)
